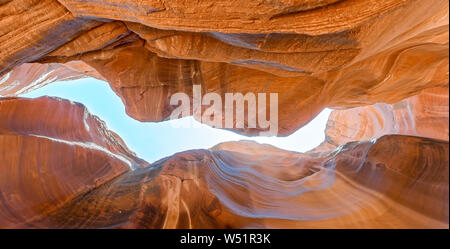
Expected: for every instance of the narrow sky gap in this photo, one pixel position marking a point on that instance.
(153, 141)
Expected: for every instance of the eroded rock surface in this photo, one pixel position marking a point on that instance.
(315, 54)
(51, 151)
(394, 182)
(30, 29)
(387, 59)
(30, 76)
(423, 115)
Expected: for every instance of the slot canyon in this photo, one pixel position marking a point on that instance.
(381, 66)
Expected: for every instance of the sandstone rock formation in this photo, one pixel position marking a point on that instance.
(64, 169)
(31, 76)
(424, 115)
(394, 182)
(383, 65)
(31, 29)
(50, 152)
(315, 54)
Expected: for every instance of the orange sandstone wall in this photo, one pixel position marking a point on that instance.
(423, 115)
(382, 64)
(247, 185)
(315, 54)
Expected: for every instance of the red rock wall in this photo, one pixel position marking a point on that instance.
(51, 151)
(366, 56)
(387, 59)
(30, 76)
(423, 115)
(394, 182)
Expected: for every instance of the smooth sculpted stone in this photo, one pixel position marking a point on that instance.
(144, 81)
(30, 76)
(280, 54)
(314, 54)
(30, 29)
(51, 151)
(388, 60)
(424, 115)
(393, 182)
(285, 16)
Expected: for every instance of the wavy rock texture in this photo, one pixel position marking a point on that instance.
(48, 159)
(394, 182)
(424, 115)
(387, 59)
(29, 29)
(298, 16)
(315, 54)
(30, 76)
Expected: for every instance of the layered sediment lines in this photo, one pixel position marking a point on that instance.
(383, 64)
(314, 54)
(394, 182)
(30, 76)
(31, 29)
(423, 115)
(61, 168)
(51, 151)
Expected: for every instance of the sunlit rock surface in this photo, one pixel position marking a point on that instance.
(51, 151)
(394, 182)
(30, 29)
(424, 115)
(30, 76)
(315, 54)
(383, 64)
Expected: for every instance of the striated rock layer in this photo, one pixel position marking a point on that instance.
(387, 59)
(30, 29)
(64, 169)
(50, 152)
(242, 185)
(315, 54)
(424, 115)
(31, 76)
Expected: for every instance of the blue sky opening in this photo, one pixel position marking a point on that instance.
(153, 141)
